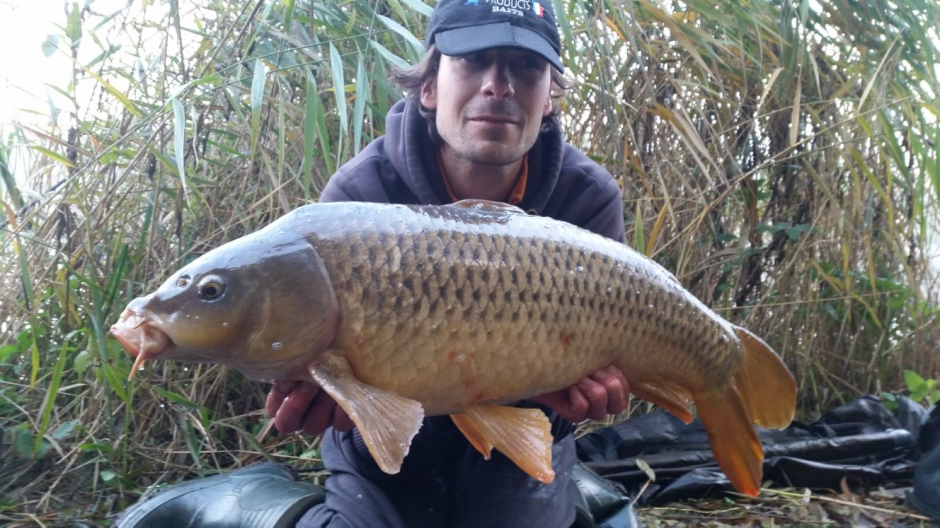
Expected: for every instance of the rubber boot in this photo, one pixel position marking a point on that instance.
(599, 502)
(926, 493)
(265, 495)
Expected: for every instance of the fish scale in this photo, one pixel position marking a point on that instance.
(505, 274)
(404, 311)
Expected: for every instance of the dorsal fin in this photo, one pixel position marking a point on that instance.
(488, 206)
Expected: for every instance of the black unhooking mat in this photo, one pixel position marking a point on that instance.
(861, 441)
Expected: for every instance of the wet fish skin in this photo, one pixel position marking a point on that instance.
(455, 308)
(458, 294)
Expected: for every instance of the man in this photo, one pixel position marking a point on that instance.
(478, 123)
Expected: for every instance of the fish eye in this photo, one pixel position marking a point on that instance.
(211, 288)
(183, 281)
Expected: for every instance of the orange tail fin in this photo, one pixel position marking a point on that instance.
(763, 393)
(733, 439)
(765, 384)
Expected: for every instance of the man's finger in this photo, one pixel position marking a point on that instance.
(319, 414)
(341, 420)
(596, 395)
(290, 415)
(569, 403)
(275, 398)
(616, 387)
(578, 405)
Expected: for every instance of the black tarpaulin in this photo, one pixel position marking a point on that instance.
(861, 442)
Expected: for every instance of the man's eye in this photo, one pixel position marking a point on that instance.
(531, 64)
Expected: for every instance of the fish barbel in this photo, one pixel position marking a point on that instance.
(399, 312)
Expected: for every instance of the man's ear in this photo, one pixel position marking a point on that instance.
(429, 93)
(548, 101)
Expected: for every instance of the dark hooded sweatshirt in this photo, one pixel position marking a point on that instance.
(444, 481)
(401, 167)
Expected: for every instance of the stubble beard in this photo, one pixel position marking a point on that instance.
(490, 151)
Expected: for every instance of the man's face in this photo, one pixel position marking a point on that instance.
(490, 104)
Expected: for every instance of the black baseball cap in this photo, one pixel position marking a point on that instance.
(460, 27)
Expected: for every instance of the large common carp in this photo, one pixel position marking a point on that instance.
(404, 311)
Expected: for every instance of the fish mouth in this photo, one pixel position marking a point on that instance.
(141, 337)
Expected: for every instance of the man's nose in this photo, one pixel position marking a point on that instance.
(497, 81)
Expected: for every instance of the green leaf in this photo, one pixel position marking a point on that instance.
(209, 79)
(281, 139)
(115, 382)
(104, 449)
(23, 440)
(83, 360)
(913, 380)
(35, 361)
(362, 95)
(890, 402)
(50, 45)
(65, 430)
(179, 138)
(419, 7)
(125, 102)
(935, 169)
(53, 391)
(108, 18)
(339, 84)
(288, 15)
(73, 29)
(182, 400)
(559, 8)
(794, 232)
(7, 351)
(388, 55)
(310, 120)
(768, 228)
(404, 33)
(107, 475)
(324, 134)
(54, 155)
(639, 242)
(257, 97)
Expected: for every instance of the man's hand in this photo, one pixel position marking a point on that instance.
(298, 405)
(595, 396)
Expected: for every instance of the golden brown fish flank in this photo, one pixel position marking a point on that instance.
(489, 291)
(407, 311)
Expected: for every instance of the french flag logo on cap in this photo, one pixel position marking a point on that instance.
(539, 10)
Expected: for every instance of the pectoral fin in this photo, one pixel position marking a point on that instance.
(386, 421)
(523, 435)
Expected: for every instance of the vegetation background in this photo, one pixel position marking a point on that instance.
(780, 157)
